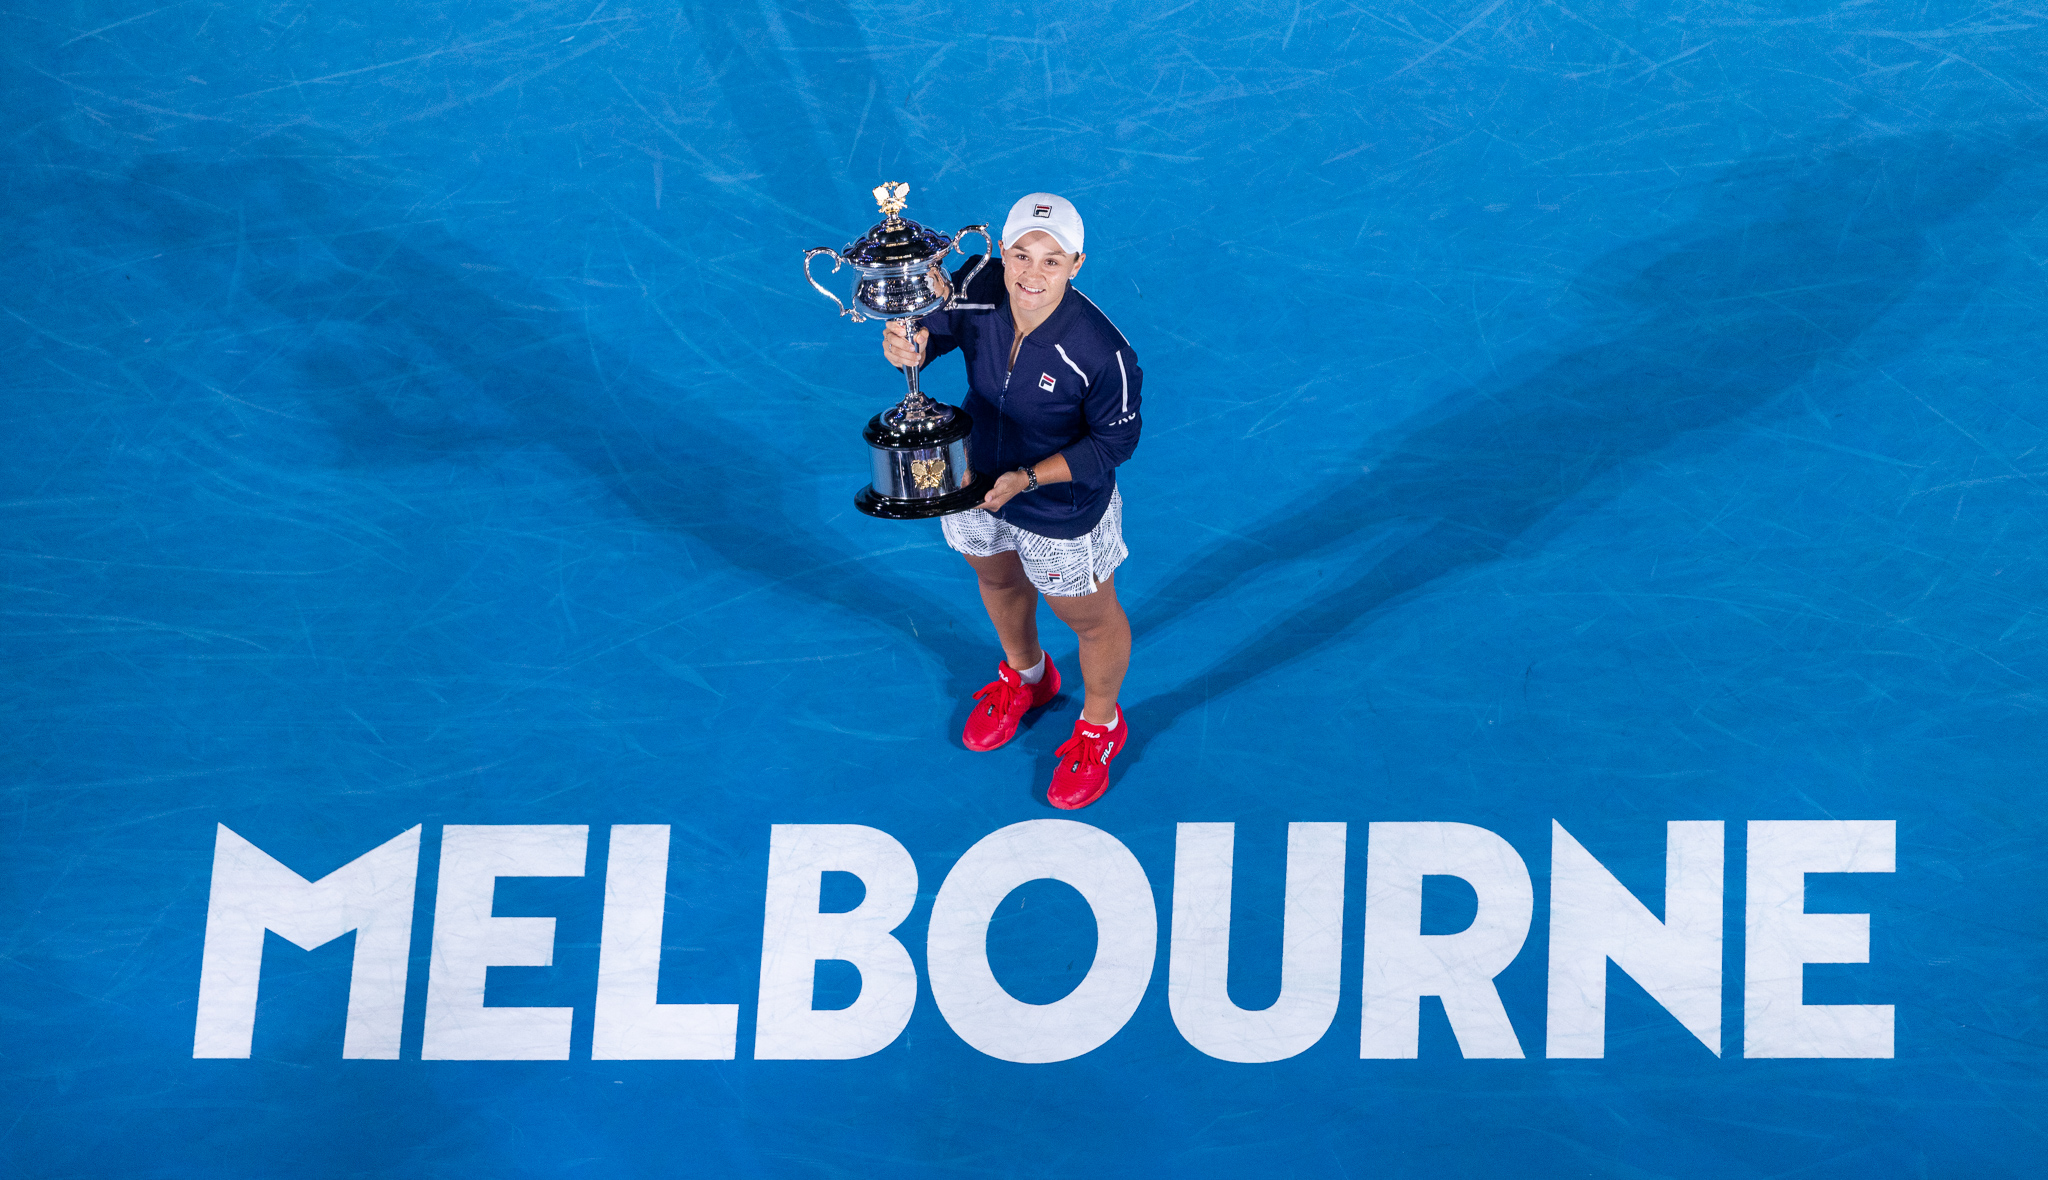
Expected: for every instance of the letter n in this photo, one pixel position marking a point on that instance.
(1594, 919)
(252, 892)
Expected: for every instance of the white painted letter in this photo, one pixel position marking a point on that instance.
(1104, 872)
(371, 895)
(1402, 964)
(631, 1026)
(1593, 918)
(1311, 944)
(1781, 938)
(795, 936)
(468, 941)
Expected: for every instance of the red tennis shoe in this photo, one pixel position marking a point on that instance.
(1003, 703)
(1083, 773)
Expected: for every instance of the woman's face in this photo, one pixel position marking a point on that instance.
(1037, 271)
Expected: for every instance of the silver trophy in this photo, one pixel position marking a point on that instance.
(918, 447)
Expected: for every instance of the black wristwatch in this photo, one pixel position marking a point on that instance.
(1030, 479)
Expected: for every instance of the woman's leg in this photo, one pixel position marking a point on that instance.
(1105, 633)
(1012, 603)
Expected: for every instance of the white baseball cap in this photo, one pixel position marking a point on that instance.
(1053, 214)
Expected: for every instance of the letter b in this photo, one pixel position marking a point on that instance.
(795, 936)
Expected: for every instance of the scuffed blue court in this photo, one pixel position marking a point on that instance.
(1598, 416)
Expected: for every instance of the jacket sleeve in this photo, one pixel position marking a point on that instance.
(945, 330)
(945, 325)
(1110, 410)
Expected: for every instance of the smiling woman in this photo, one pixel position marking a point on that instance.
(1054, 394)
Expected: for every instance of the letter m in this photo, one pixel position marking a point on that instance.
(252, 892)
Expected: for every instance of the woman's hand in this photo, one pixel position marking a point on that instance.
(898, 350)
(1051, 469)
(1008, 484)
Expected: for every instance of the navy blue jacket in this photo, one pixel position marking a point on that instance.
(1074, 392)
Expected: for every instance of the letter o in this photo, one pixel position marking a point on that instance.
(1105, 873)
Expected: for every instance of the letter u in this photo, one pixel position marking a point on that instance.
(1311, 944)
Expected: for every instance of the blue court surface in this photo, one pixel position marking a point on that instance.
(1587, 569)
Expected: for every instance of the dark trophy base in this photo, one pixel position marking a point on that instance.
(887, 509)
(920, 464)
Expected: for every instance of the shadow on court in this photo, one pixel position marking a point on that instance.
(1784, 269)
(413, 347)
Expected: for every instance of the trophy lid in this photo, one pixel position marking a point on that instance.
(897, 240)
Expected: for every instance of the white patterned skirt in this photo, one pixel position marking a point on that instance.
(1067, 568)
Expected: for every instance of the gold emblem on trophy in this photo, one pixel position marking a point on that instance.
(892, 198)
(928, 473)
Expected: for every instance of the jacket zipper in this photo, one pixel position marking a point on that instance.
(1003, 398)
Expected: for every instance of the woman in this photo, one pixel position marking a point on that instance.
(1053, 391)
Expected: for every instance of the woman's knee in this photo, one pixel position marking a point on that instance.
(1090, 621)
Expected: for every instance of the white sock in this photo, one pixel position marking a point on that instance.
(1034, 673)
(1112, 721)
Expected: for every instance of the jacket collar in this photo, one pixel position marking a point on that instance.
(1054, 329)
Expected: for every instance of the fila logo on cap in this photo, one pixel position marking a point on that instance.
(1046, 382)
(1047, 212)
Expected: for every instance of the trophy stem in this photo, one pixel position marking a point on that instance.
(915, 405)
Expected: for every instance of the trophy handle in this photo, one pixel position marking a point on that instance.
(980, 262)
(836, 262)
